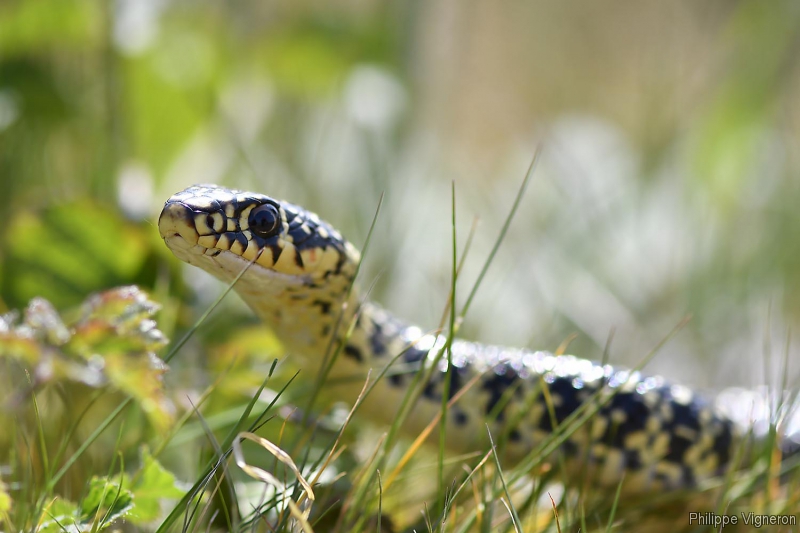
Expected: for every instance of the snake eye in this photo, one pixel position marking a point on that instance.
(264, 220)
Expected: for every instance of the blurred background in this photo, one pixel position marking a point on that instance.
(668, 182)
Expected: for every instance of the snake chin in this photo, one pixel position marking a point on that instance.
(226, 266)
(183, 241)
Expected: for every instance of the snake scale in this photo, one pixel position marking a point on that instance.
(658, 435)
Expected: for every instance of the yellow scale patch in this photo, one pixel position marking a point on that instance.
(208, 241)
(224, 242)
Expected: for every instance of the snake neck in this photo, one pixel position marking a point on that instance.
(313, 322)
(306, 319)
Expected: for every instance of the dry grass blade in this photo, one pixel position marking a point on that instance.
(261, 474)
(334, 449)
(555, 512)
(301, 517)
(511, 514)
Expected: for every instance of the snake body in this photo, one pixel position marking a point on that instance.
(658, 435)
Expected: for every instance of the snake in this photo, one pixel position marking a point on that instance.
(296, 272)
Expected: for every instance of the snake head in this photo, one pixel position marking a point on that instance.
(220, 230)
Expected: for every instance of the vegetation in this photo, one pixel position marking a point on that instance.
(668, 185)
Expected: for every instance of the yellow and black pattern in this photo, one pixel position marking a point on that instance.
(661, 436)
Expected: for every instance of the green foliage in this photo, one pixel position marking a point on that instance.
(149, 487)
(112, 342)
(69, 251)
(39, 25)
(137, 498)
(104, 503)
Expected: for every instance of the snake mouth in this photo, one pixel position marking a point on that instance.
(177, 223)
(177, 227)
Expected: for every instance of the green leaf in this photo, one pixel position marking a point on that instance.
(152, 484)
(58, 516)
(43, 319)
(105, 502)
(16, 346)
(116, 326)
(67, 252)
